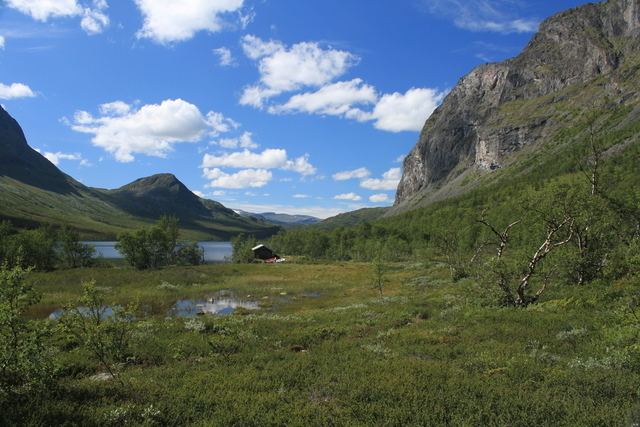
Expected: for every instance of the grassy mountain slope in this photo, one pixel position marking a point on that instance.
(349, 219)
(34, 192)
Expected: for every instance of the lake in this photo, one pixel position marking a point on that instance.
(213, 251)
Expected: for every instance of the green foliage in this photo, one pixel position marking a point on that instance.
(242, 253)
(152, 247)
(25, 361)
(104, 330)
(190, 253)
(432, 354)
(29, 248)
(73, 253)
(379, 273)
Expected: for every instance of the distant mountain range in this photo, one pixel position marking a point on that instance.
(35, 192)
(283, 220)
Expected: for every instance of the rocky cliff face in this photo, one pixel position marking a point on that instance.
(471, 128)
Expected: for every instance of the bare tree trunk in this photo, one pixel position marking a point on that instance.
(547, 247)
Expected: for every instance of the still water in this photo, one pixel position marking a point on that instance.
(213, 251)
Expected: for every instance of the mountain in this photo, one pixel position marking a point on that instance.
(283, 220)
(501, 114)
(349, 219)
(35, 192)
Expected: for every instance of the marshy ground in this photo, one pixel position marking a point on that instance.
(324, 348)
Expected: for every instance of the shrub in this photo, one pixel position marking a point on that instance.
(73, 253)
(150, 247)
(25, 362)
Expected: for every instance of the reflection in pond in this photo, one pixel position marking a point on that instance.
(105, 313)
(219, 306)
(222, 303)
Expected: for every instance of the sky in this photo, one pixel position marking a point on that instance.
(301, 107)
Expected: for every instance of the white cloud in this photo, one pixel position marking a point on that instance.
(379, 198)
(115, 108)
(400, 159)
(248, 178)
(168, 21)
(348, 196)
(406, 112)
(337, 99)
(285, 69)
(2, 42)
(57, 157)
(301, 165)
(389, 181)
(220, 124)
(301, 196)
(42, 10)
(243, 141)
(15, 90)
(152, 129)
(225, 58)
(198, 193)
(359, 173)
(484, 15)
(256, 48)
(267, 159)
(93, 17)
(219, 193)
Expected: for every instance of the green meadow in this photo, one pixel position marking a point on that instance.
(325, 348)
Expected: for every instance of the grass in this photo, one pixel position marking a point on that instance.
(431, 352)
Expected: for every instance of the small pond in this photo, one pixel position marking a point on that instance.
(213, 251)
(222, 303)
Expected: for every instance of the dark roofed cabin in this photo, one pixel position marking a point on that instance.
(265, 254)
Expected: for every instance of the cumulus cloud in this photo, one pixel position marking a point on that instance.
(359, 173)
(116, 108)
(301, 196)
(248, 178)
(300, 165)
(500, 16)
(58, 157)
(15, 90)
(2, 42)
(169, 21)
(389, 181)
(267, 159)
(398, 112)
(348, 196)
(285, 69)
(93, 17)
(311, 70)
(225, 58)
(42, 10)
(220, 124)
(95, 20)
(243, 141)
(198, 193)
(379, 198)
(337, 99)
(151, 130)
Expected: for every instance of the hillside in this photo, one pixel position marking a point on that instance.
(501, 116)
(35, 192)
(283, 220)
(349, 219)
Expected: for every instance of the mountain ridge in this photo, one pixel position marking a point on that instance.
(35, 192)
(485, 120)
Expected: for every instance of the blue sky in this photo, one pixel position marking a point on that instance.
(264, 105)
